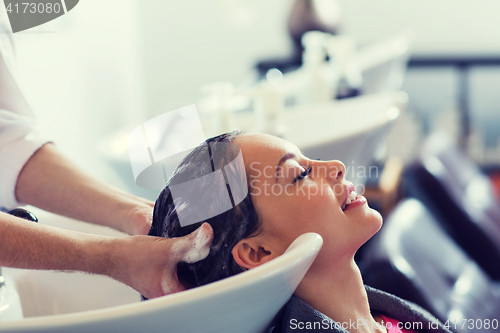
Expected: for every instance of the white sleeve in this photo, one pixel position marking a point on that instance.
(18, 142)
(18, 137)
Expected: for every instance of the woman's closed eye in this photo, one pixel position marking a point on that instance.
(303, 174)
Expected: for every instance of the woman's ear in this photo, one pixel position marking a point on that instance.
(250, 253)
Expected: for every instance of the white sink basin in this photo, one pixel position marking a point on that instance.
(73, 302)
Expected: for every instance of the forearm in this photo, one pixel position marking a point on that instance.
(147, 264)
(52, 182)
(36, 246)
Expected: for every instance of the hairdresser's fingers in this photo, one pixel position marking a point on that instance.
(195, 246)
(190, 248)
(149, 264)
(138, 220)
(170, 281)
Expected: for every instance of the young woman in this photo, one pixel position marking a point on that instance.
(288, 195)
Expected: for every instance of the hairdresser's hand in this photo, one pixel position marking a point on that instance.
(139, 218)
(149, 264)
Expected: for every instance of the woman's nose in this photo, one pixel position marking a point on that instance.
(334, 170)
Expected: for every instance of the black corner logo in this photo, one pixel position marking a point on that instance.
(26, 14)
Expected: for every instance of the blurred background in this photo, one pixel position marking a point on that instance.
(409, 87)
(113, 64)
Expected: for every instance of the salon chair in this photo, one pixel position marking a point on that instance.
(462, 198)
(414, 258)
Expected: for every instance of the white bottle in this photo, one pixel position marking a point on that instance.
(269, 104)
(341, 52)
(218, 104)
(315, 89)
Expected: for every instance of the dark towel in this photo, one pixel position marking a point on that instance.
(297, 311)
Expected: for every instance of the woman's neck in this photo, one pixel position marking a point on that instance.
(339, 293)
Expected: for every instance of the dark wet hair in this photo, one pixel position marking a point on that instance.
(229, 227)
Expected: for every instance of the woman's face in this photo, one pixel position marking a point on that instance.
(294, 195)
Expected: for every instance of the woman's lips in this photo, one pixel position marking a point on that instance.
(359, 201)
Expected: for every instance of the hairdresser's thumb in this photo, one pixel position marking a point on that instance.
(170, 282)
(195, 246)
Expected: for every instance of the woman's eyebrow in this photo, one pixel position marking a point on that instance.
(285, 157)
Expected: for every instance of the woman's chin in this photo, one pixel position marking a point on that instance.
(373, 212)
(376, 219)
(372, 223)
